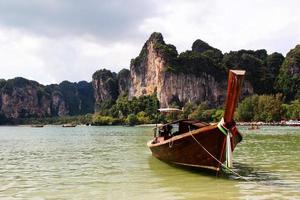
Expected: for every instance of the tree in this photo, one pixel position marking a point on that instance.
(143, 118)
(288, 80)
(269, 108)
(265, 108)
(187, 110)
(198, 113)
(132, 120)
(292, 110)
(246, 109)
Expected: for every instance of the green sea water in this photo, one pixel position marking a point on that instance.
(113, 162)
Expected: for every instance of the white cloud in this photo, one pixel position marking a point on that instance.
(229, 25)
(83, 45)
(52, 60)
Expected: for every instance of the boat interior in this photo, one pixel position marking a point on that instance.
(168, 130)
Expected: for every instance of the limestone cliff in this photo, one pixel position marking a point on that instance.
(58, 105)
(158, 69)
(105, 87)
(123, 82)
(22, 98)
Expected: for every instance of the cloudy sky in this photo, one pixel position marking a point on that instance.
(54, 40)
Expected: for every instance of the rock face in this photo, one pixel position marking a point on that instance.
(147, 70)
(22, 98)
(123, 82)
(105, 86)
(86, 97)
(58, 106)
(109, 85)
(150, 74)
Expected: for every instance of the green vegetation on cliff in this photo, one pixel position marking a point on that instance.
(262, 69)
(288, 80)
(105, 81)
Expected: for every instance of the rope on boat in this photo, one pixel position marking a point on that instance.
(226, 131)
(233, 172)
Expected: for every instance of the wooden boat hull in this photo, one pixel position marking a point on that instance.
(186, 151)
(204, 146)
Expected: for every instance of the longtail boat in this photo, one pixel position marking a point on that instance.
(197, 144)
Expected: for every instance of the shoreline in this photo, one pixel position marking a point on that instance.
(258, 124)
(297, 124)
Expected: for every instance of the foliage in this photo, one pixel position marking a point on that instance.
(246, 110)
(248, 61)
(215, 55)
(142, 118)
(156, 38)
(2, 83)
(80, 119)
(198, 113)
(103, 120)
(266, 108)
(104, 108)
(217, 115)
(109, 82)
(288, 80)
(292, 110)
(192, 62)
(205, 49)
(123, 73)
(187, 110)
(201, 46)
(139, 59)
(206, 114)
(168, 51)
(273, 63)
(124, 106)
(132, 120)
(18, 82)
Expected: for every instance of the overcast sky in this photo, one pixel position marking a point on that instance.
(55, 40)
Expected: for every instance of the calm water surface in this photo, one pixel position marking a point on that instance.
(114, 163)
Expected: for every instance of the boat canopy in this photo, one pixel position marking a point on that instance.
(169, 110)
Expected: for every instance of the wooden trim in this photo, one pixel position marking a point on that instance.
(178, 137)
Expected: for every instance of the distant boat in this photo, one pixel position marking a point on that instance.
(37, 125)
(68, 125)
(197, 144)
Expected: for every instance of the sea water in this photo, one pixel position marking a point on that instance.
(113, 162)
